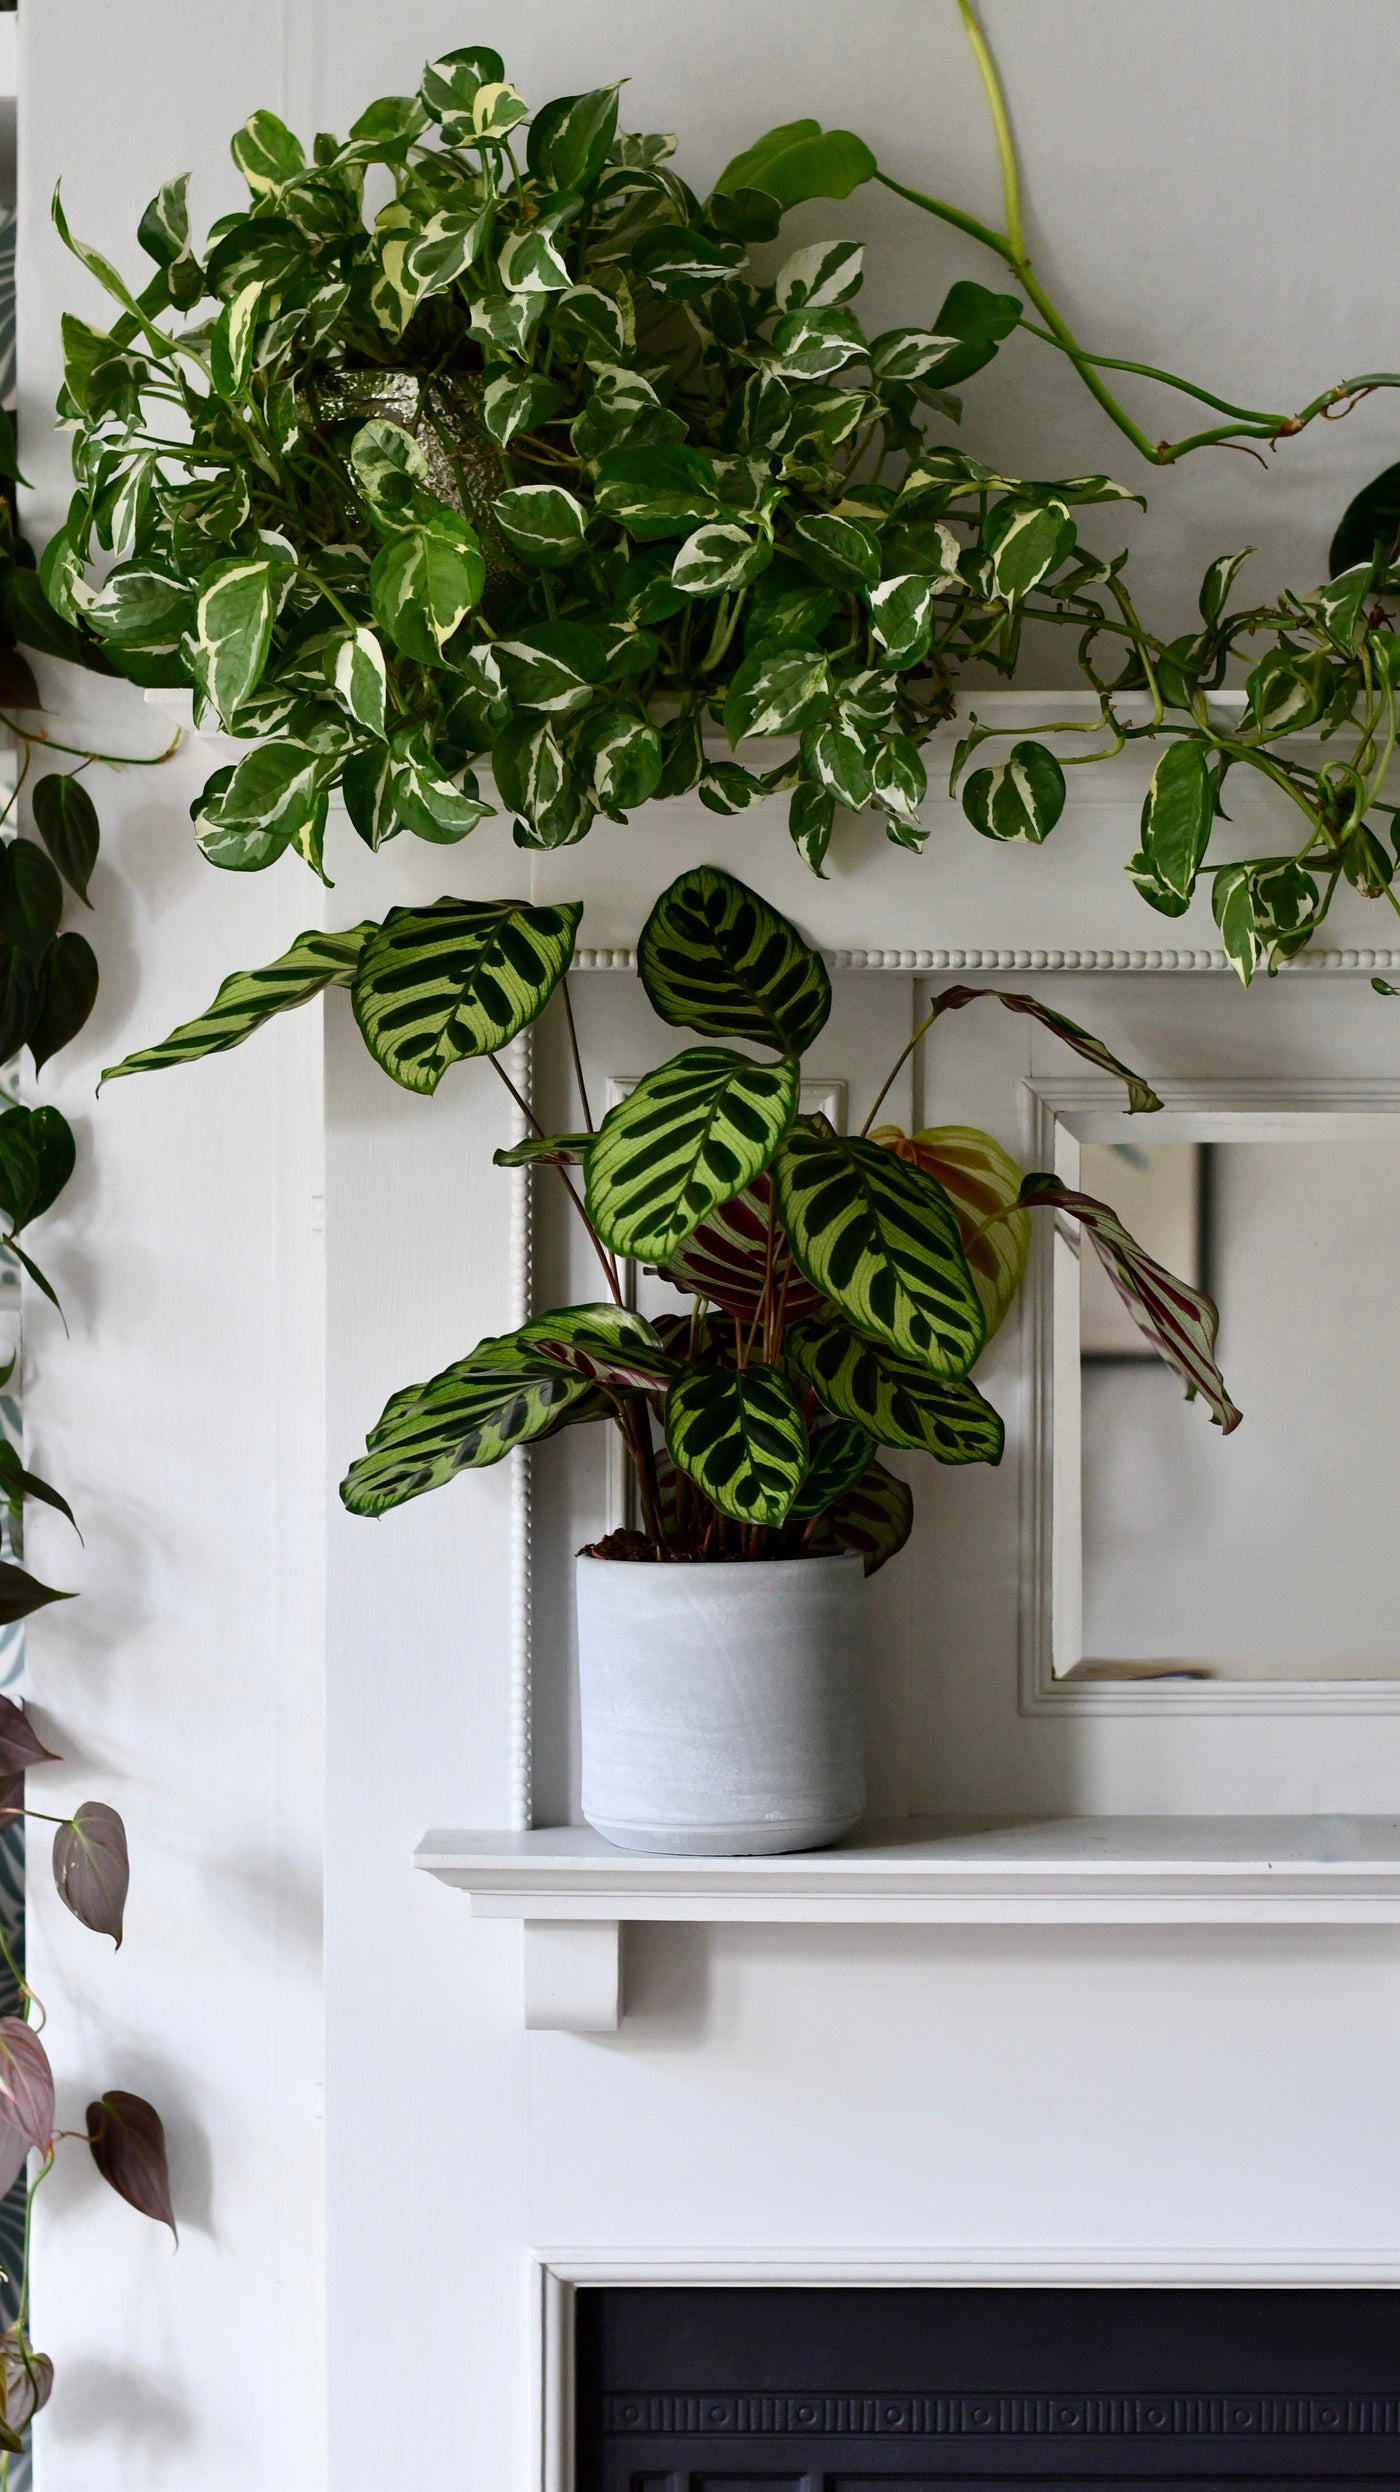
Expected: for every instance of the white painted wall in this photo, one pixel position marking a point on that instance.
(939, 2092)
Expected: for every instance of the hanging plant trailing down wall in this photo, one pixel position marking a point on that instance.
(554, 463)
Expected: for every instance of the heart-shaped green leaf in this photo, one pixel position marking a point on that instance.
(459, 978)
(738, 1433)
(714, 957)
(690, 1135)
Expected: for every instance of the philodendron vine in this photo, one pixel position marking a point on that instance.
(551, 462)
(834, 1291)
(48, 984)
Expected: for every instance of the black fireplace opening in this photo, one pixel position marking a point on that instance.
(896, 2388)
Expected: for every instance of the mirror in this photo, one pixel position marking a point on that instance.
(1180, 1554)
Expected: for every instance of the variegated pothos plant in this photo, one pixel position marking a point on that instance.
(834, 1291)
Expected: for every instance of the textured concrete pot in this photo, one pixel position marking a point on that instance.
(722, 1707)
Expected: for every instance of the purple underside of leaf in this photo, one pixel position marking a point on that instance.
(20, 1744)
(128, 2147)
(91, 1867)
(1179, 1321)
(26, 2085)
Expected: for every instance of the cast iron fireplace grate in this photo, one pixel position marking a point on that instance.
(928, 2389)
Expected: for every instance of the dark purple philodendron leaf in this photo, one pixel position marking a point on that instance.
(26, 2381)
(725, 1258)
(20, 1744)
(1142, 1098)
(1180, 1322)
(128, 2148)
(26, 2085)
(14, 2154)
(91, 1868)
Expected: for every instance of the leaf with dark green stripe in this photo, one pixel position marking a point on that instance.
(881, 1240)
(1179, 1321)
(726, 1257)
(471, 1415)
(606, 1345)
(555, 1150)
(251, 997)
(898, 1402)
(1142, 1098)
(715, 957)
(459, 978)
(874, 1519)
(841, 1456)
(690, 1135)
(738, 1433)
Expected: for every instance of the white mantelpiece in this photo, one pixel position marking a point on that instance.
(574, 1892)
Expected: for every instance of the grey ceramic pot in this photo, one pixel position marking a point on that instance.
(722, 1706)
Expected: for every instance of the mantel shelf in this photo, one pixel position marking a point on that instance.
(574, 1891)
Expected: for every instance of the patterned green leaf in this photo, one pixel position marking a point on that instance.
(266, 153)
(1025, 542)
(812, 345)
(605, 1345)
(542, 523)
(231, 346)
(873, 1520)
(661, 490)
(515, 402)
(726, 1258)
(424, 585)
(459, 978)
(1176, 817)
(251, 996)
(1021, 799)
(471, 1415)
(682, 263)
(717, 557)
(625, 753)
(714, 957)
(909, 354)
(738, 1433)
(1179, 1321)
(895, 1399)
(821, 274)
(355, 668)
(690, 1135)
(881, 1240)
(562, 1150)
(843, 552)
(777, 695)
(983, 1184)
(901, 615)
(1142, 1098)
(840, 1457)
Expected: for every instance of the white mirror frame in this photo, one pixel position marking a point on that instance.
(1060, 1115)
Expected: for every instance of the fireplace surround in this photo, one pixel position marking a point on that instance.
(845, 2389)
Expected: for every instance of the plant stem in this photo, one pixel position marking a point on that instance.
(578, 1060)
(606, 1260)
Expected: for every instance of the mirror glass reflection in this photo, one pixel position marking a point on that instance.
(1268, 1555)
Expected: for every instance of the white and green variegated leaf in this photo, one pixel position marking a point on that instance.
(1340, 605)
(595, 323)
(839, 759)
(233, 630)
(459, 978)
(739, 1435)
(423, 585)
(391, 472)
(544, 524)
(726, 787)
(843, 552)
(624, 752)
(682, 263)
(393, 295)
(714, 957)
(1218, 581)
(809, 345)
(901, 616)
(777, 695)
(434, 805)
(821, 274)
(719, 557)
(983, 1183)
(515, 402)
(251, 997)
(449, 86)
(622, 406)
(356, 670)
(507, 322)
(1232, 902)
(662, 489)
(687, 1138)
(266, 153)
(164, 234)
(531, 773)
(909, 354)
(528, 263)
(1177, 815)
(274, 798)
(445, 248)
(895, 1399)
(882, 1241)
(472, 1415)
(140, 605)
(554, 667)
(1025, 542)
(231, 346)
(900, 779)
(1022, 798)
(811, 821)
(873, 1520)
(605, 1345)
(497, 110)
(1287, 692)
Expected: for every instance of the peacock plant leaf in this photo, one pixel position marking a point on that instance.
(1142, 1098)
(739, 1435)
(983, 1183)
(881, 1241)
(506, 1393)
(873, 1519)
(725, 1259)
(714, 957)
(605, 1345)
(688, 1137)
(458, 978)
(1180, 1322)
(895, 1400)
(841, 1454)
(251, 997)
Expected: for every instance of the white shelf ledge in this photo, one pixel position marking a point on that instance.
(575, 1893)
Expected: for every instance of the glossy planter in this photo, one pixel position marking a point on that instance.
(722, 1706)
